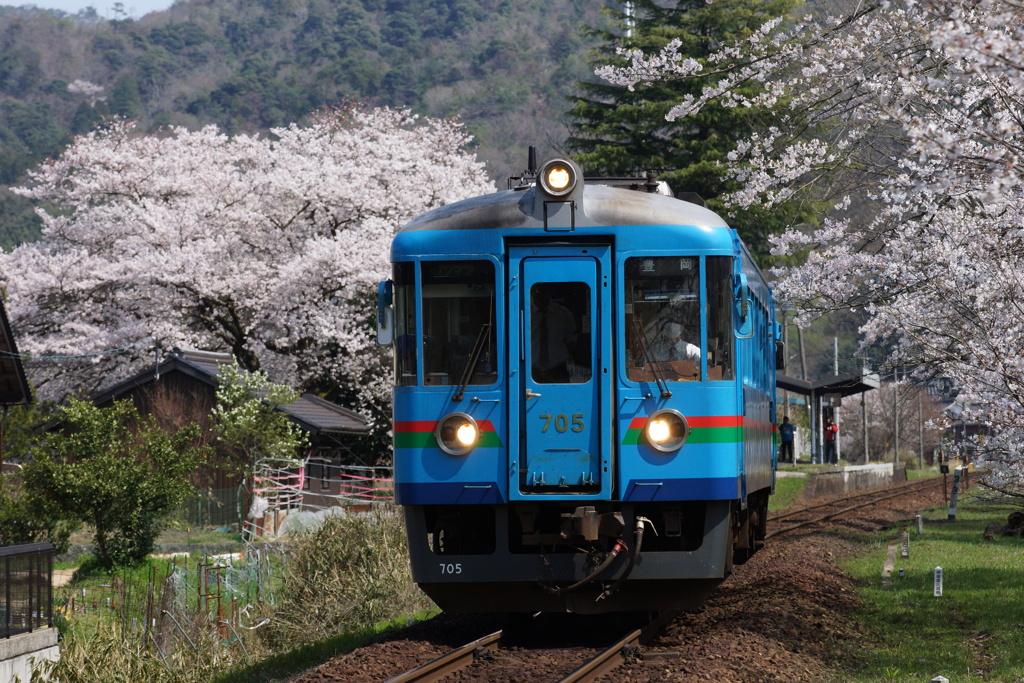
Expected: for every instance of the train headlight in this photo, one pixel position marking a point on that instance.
(457, 434)
(667, 430)
(558, 177)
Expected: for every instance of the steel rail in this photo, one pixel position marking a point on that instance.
(615, 655)
(910, 485)
(459, 658)
(872, 501)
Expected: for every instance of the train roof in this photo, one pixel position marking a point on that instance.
(595, 205)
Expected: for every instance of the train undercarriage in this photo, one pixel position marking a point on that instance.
(561, 556)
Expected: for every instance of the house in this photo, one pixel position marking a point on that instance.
(14, 388)
(181, 388)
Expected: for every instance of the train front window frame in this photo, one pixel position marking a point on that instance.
(663, 318)
(720, 333)
(404, 277)
(458, 315)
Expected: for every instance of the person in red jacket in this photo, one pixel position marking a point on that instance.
(831, 430)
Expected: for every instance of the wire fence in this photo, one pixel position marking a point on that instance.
(279, 489)
(25, 588)
(169, 604)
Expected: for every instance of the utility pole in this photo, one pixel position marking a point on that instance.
(835, 413)
(896, 423)
(920, 429)
(785, 366)
(813, 427)
(864, 422)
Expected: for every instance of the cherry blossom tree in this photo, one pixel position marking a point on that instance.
(269, 247)
(908, 115)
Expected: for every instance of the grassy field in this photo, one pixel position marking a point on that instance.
(973, 632)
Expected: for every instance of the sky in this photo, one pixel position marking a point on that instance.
(134, 8)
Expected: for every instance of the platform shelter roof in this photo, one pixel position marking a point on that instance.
(843, 385)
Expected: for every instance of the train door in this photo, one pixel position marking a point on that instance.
(560, 339)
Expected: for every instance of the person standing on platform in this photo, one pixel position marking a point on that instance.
(831, 430)
(786, 432)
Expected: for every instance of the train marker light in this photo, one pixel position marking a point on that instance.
(667, 430)
(558, 177)
(457, 434)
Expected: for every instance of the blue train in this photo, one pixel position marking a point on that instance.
(584, 400)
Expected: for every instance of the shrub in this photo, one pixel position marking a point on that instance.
(349, 572)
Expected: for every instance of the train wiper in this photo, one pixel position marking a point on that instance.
(482, 341)
(638, 330)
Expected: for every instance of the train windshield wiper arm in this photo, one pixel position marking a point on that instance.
(482, 340)
(655, 368)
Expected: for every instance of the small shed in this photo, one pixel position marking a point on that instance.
(181, 388)
(14, 389)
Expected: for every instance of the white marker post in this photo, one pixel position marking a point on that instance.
(938, 582)
(956, 490)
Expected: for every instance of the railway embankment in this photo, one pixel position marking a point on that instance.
(836, 481)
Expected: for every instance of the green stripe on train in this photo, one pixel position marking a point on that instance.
(635, 437)
(426, 440)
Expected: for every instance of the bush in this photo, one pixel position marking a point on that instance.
(350, 572)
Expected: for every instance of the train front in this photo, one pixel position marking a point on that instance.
(582, 419)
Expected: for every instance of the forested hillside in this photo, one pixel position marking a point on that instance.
(502, 66)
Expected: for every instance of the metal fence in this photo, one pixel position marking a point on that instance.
(213, 508)
(26, 593)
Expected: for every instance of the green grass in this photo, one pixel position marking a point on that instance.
(972, 632)
(786, 491)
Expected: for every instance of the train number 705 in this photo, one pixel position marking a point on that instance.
(562, 423)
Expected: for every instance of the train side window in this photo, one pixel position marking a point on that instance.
(663, 326)
(720, 305)
(459, 332)
(405, 324)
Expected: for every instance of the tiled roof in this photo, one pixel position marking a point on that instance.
(312, 413)
(13, 383)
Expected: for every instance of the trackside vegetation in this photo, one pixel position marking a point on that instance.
(283, 608)
(972, 632)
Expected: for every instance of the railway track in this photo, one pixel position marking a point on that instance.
(499, 648)
(824, 511)
(488, 648)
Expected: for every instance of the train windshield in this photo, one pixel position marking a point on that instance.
(664, 322)
(458, 322)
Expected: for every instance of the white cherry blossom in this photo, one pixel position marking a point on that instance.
(268, 247)
(908, 119)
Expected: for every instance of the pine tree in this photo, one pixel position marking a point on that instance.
(619, 132)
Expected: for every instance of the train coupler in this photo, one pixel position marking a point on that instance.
(585, 522)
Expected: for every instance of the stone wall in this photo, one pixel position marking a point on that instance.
(839, 480)
(16, 651)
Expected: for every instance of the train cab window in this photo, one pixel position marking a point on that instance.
(404, 278)
(720, 316)
(560, 336)
(663, 321)
(458, 322)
